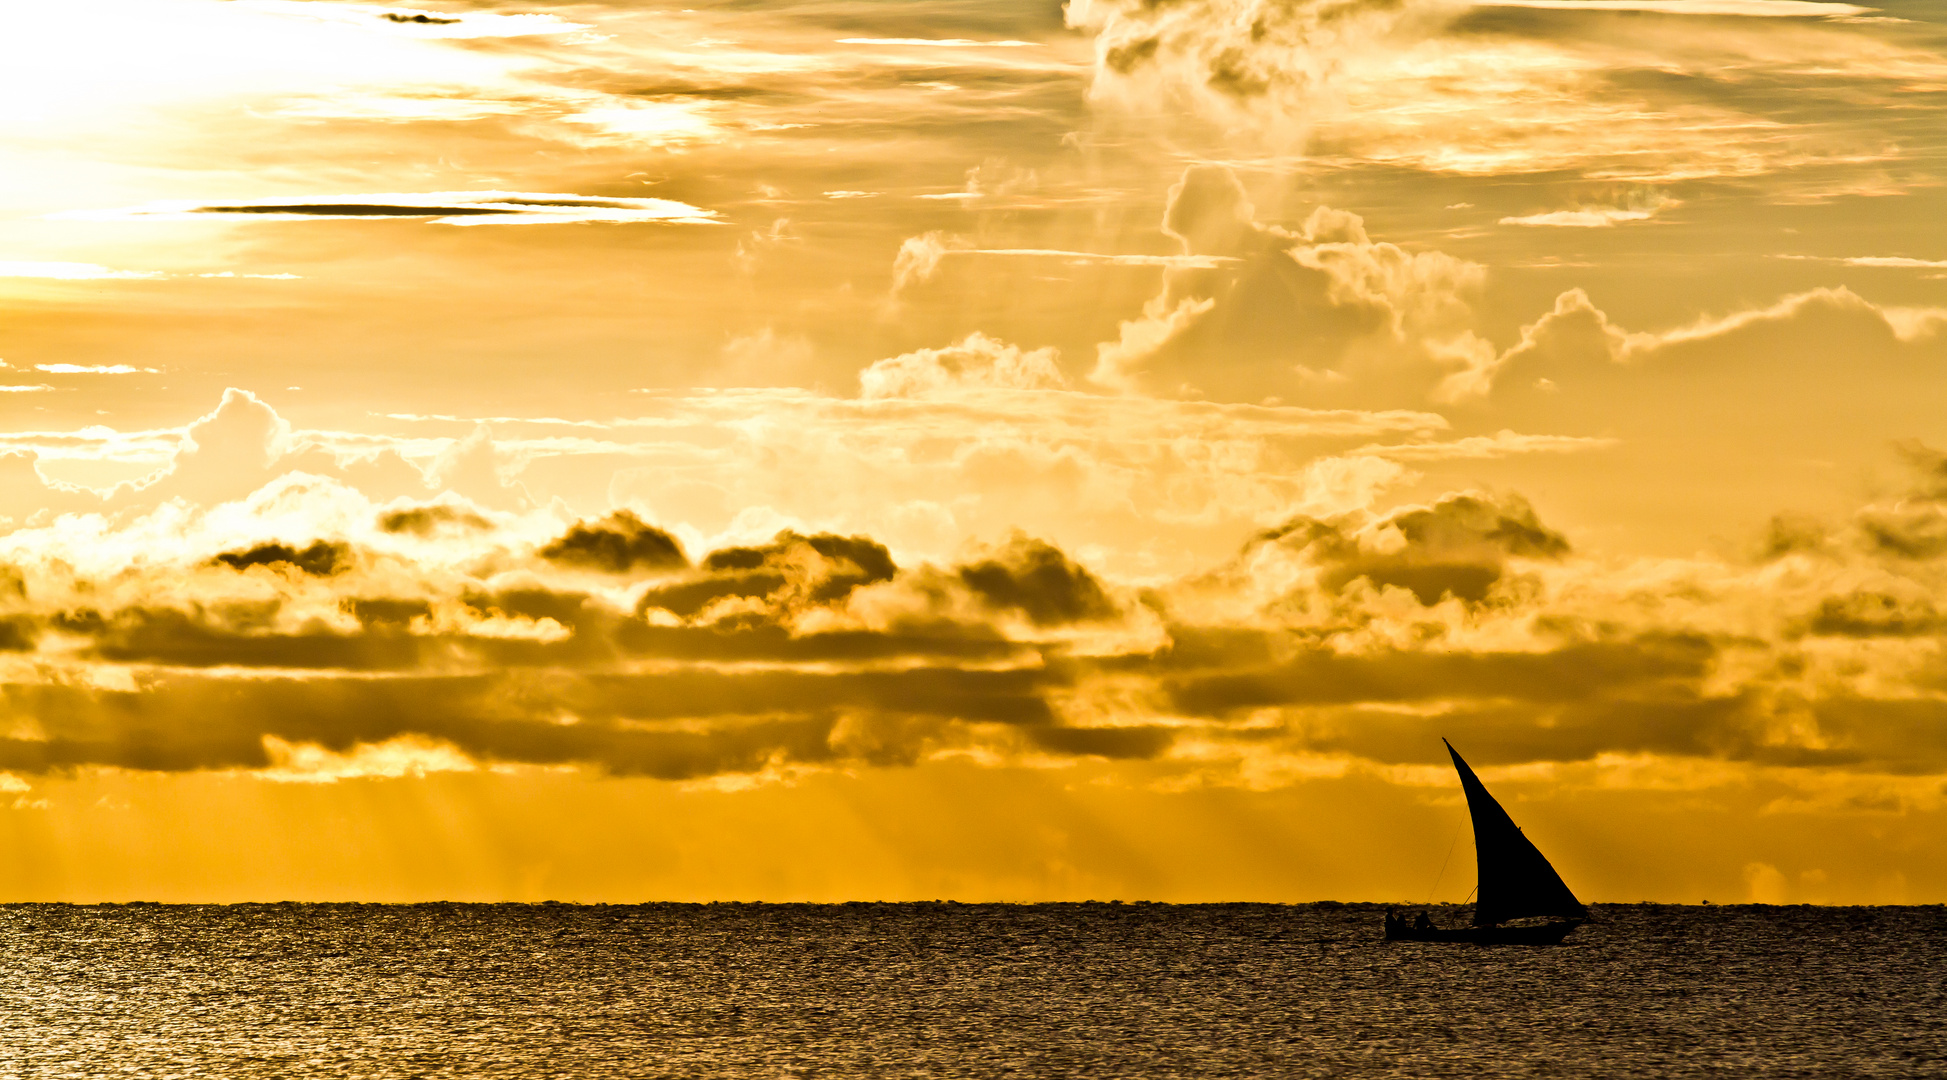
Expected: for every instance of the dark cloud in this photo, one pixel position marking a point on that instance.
(617, 544)
(420, 18)
(627, 724)
(687, 599)
(237, 635)
(791, 569)
(1915, 526)
(1111, 742)
(386, 612)
(1324, 676)
(1909, 531)
(1459, 546)
(430, 518)
(1875, 614)
(754, 638)
(1039, 581)
(566, 608)
(760, 657)
(449, 207)
(341, 210)
(18, 633)
(502, 207)
(322, 558)
(1791, 534)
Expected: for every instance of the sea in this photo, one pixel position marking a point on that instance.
(1095, 990)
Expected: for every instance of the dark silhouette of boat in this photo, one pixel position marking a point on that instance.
(1517, 885)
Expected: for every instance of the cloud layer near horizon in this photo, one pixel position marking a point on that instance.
(309, 630)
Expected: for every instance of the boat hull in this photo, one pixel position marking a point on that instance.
(1542, 934)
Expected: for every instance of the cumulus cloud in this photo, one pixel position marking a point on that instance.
(1458, 547)
(1323, 310)
(617, 544)
(918, 260)
(976, 362)
(1039, 581)
(789, 570)
(1490, 89)
(1576, 336)
(233, 639)
(427, 519)
(320, 557)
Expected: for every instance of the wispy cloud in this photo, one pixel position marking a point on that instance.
(1889, 262)
(94, 369)
(1188, 262)
(436, 207)
(950, 43)
(1485, 447)
(1594, 217)
(416, 22)
(1776, 9)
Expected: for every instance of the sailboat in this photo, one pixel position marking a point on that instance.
(1516, 883)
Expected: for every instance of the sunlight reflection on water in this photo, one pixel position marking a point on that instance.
(1082, 990)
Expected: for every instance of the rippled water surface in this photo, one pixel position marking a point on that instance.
(1083, 990)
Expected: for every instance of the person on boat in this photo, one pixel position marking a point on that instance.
(1394, 923)
(1421, 922)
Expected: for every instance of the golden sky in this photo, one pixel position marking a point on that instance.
(899, 449)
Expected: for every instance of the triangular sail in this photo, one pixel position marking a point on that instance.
(1516, 881)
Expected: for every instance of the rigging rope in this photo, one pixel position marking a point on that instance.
(1443, 864)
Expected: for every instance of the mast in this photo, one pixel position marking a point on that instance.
(1516, 880)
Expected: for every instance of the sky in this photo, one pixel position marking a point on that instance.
(971, 449)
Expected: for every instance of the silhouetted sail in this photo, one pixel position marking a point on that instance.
(1516, 881)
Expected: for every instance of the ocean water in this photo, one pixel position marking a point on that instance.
(938, 990)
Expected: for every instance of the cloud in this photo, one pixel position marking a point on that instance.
(918, 260)
(1891, 262)
(421, 18)
(1642, 207)
(945, 43)
(1589, 217)
(1323, 310)
(1495, 89)
(305, 632)
(1460, 546)
(437, 207)
(1576, 338)
(617, 544)
(418, 23)
(430, 518)
(1775, 9)
(977, 362)
(1478, 447)
(788, 572)
(975, 455)
(1095, 258)
(320, 558)
(94, 369)
(1039, 581)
